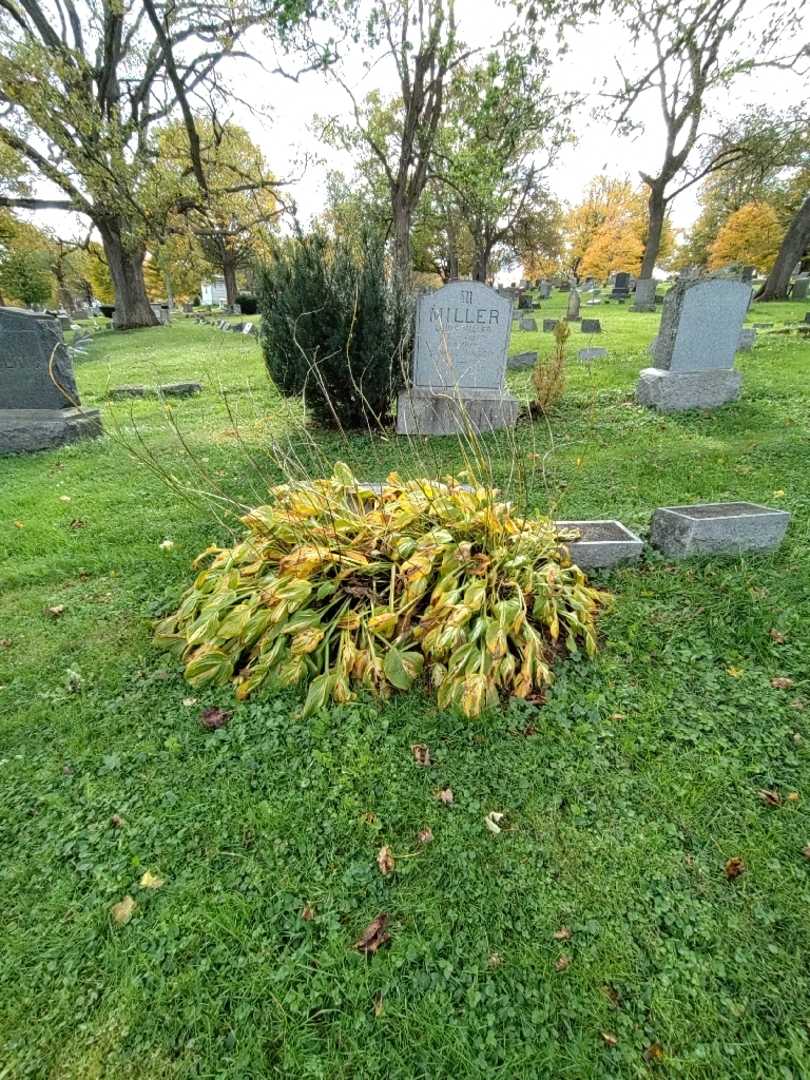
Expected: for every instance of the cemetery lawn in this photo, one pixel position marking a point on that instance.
(598, 935)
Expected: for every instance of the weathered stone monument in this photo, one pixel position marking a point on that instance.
(587, 356)
(591, 326)
(694, 351)
(801, 287)
(621, 286)
(460, 345)
(644, 295)
(545, 290)
(572, 313)
(39, 402)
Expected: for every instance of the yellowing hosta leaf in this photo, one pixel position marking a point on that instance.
(402, 668)
(209, 667)
(306, 642)
(151, 881)
(383, 624)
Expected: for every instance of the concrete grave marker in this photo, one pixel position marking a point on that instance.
(621, 286)
(801, 288)
(460, 346)
(644, 295)
(528, 324)
(572, 312)
(747, 340)
(591, 326)
(694, 351)
(549, 325)
(585, 356)
(39, 401)
(521, 361)
(717, 528)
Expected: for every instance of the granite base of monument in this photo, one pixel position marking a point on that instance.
(717, 528)
(676, 391)
(25, 430)
(431, 412)
(601, 543)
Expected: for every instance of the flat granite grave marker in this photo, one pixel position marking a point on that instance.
(522, 360)
(459, 365)
(591, 326)
(39, 401)
(601, 543)
(585, 356)
(694, 351)
(549, 325)
(717, 528)
(528, 324)
(747, 340)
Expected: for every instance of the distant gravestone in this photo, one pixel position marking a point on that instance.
(39, 401)
(747, 340)
(807, 316)
(565, 286)
(591, 326)
(522, 360)
(188, 308)
(249, 328)
(161, 313)
(801, 288)
(572, 312)
(545, 290)
(586, 356)
(528, 324)
(549, 325)
(621, 286)
(694, 352)
(747, 274)
(460, 346)
(644, 295)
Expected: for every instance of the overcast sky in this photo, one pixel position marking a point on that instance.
(284, 128)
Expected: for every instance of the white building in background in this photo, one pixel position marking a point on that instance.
(214, 292)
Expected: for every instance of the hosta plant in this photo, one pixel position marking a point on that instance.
(338, 586)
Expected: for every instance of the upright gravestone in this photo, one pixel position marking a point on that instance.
(694, 351)
(572, 313)
(621, 286)
(545, 290)
(460, 345)
(801, 288)
(747, 274)
(39, 402)
(644, 295)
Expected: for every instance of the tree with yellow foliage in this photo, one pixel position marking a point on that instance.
(750, 236)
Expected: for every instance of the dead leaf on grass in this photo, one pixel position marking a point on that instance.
(308, 913)
(151, 881)
(792, 796)
(769, 798)
(563, 934)
(117, 821)
(425, 836)
(609, 1038)
(374, 936)
(5, 643)
(799, 704)
(777, 636)
(123, 911)
(421, 754)
(55, 611)
(654, 1053)
(445, 796)
(492, 821)
(211, 719)
(563, 963)
(734, 868)
(495, 960)
(782, 682)
(379, 1005)
(385, 861)
(806, 852)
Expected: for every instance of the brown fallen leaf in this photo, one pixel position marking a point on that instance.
(492, 821)
(425, 836)
(5, 643)
(806, 852)
(117, 821)
(211, 719)
(770, 798)
(779, 638)
(151, 881)
(734, 867)
(55, 611)
(563, 963)
(445, 796)
(792, 796)
(374, 936)
(421, 754)
(613, 996)
(654, 1052)
(77, 523)
(799, 704)
(781, 682)
(563, 934)
(385, 861)
(495, 960)
(308, 913)
(123, 911)
(609, 1038)
(19, 524)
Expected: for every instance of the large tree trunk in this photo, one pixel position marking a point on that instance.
(402, 241)
(132, 306)
(796, 242)
(656, 206)
(481, 265)
(229, 273)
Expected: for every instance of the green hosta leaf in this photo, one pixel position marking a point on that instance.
(343, 474)
(320, 690)
(402, 668)
(209, 667)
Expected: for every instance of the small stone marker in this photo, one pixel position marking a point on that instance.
(460, 346)
(572, 313)
(747, 274)
(161, 313)
(621, 286)
(644, 295)
(801, 288)
(601, 543)
(528, 324)
(717, 528)
(585, 356)
(522, 360)
(249, 328)
(762, 325)
(807, 316)
(591, 326)
(178, 389)
(545, 290)
(747, 340)
(39, 401)
(549, 325)
(697, 339)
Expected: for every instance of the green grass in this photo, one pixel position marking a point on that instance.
(625, 795)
